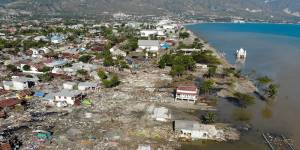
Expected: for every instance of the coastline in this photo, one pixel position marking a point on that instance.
(207, 46)
(195, 23)
(242, 85)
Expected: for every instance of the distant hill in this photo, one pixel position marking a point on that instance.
(244, 8)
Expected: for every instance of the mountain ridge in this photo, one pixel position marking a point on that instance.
(250, 8)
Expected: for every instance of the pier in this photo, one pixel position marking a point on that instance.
(276, 142)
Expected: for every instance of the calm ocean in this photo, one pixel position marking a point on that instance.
(273, 50)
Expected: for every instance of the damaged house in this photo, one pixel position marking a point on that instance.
(195, 130)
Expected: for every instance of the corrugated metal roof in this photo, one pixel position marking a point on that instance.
(148, 43)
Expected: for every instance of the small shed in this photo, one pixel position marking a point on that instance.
(69, 85)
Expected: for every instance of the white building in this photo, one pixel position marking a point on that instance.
(149, 45)
(195, 130)
(202, 66)
(117, 52)
(57, 39)
(76, 26)
(84, 86)
(144, 147)
(38, 53)
(161, 114)
(56, 63)
(69, 85)
(189, 51)
(19, 83)
(241, 53)
(187, 93)
(40, 38)
(57, 71)
(68, 97)
(147, 33)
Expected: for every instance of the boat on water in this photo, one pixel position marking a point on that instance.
(241, 53)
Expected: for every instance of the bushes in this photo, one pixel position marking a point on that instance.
(244, 100)
(205, 57)
(45, 77)
(108, 83)
(184, 35)
(113, 82)
(45, 69)
(26, 68)
(209, 118)
(12, 68)
(85, 58)
(82, 72)
(102, 74)
(178, 62)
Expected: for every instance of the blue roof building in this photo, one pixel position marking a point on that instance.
(39, 94)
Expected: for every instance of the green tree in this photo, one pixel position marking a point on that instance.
(82, 72)
(131, 44)
(207, 86)
(102, 74)
(205, 57)
(212, 71)
(45, 69)
(264, 80)
(244, 100)
(184, 35)
(105, 53)
(26, 68)
(177, 70)
(85, 58)
(113, 82)
(209, 118)
(12, 68)
(162, 63)
(272, 90)
(108, 61)
(123, 64)
(45, 77)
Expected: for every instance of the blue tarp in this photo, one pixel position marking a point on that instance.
(39, 94)
(165, 46)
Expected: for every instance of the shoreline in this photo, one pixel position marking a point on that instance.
(207, 46)
(243, 85)
(195, 23)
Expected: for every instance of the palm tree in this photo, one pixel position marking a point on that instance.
(272, 90)
(209, 118)
(207, 86)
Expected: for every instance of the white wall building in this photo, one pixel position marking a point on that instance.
(69, 85)
(84, 86)
(187, 93)
(38, 53)
(149, 45)
(147, 33)
(117, 52)
(195, 130)
(18, 83)
(68, 97)
(161, 114)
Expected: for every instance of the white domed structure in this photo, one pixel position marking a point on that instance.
(241, 53)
